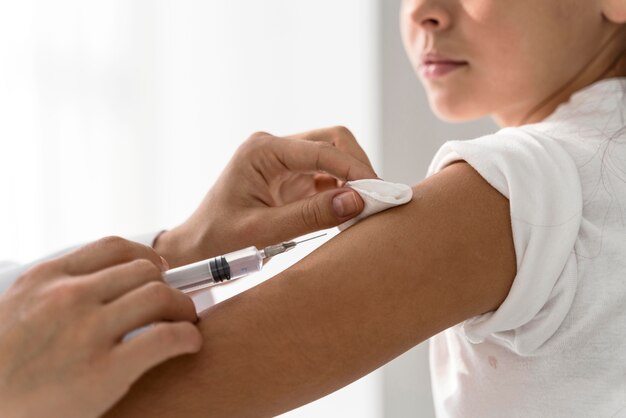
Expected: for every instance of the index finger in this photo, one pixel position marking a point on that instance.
(338, 136)
(107, 252)
(309, 157)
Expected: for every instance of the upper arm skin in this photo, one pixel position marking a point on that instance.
(370, 294)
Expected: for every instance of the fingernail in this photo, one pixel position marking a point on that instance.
(164, 266)
(345, 204)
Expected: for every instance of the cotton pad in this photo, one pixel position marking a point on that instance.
(378, 195)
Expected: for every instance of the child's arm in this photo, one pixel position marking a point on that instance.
(372, 293)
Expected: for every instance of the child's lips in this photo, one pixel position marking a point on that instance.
(435, 65)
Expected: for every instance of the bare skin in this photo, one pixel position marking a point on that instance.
(522, 58)
(64, 320)
(402, 276)
(362, 299)
(62, 326)
(293, 181)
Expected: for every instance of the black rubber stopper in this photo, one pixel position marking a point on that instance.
(220, 269)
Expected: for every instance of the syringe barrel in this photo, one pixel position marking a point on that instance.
(190, 276)
(244, 262)
(215, 270)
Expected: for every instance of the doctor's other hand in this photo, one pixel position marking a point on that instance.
(62, 352)
(272, 190)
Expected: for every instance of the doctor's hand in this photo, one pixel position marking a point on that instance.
(62, 324)
(272, 190)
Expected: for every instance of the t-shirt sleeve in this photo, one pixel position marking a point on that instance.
(542, 183)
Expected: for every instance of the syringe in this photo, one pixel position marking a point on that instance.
(230, 266)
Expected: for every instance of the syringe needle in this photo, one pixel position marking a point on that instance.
(309, 239)
(273, 250)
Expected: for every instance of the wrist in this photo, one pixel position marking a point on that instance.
(179, 246)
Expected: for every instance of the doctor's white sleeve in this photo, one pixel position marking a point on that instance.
(9, 272)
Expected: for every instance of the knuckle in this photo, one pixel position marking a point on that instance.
(41, 270)
(322, 146)
(25, 280)
(121, 245)
(39, 273)
(312, 216)
(168, 335)
(259, 135)
(190, 335)
(159, 293)
(324, 149)
(342, 132)
(255, 141)
(257, 138)
(145, 268)
(114, 244)
(113, 241)
(66, 292)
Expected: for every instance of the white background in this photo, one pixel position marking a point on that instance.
(116, 116)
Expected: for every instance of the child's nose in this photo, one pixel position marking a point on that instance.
(430, 15)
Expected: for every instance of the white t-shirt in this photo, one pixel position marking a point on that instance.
(556, 347)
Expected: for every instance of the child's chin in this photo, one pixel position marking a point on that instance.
(456, 111)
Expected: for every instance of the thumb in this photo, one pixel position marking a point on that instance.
(320, 211)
